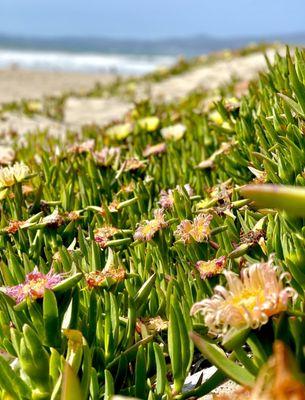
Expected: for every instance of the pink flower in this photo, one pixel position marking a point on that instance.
(34, 285)
(198, 229)
(147, 229)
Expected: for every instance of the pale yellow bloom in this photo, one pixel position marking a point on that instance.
(120, 131)
(248, 301)
(147, 229)
(34, 106)
(150, 124)
(12, 174)
(198, 229)
(215, 117)
(173, 132)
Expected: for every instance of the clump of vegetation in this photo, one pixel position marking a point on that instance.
(152, 248)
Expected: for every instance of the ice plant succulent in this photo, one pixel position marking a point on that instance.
(34, 285)
(12, 174)
(248, 301)
(147, 229)
(197, 230)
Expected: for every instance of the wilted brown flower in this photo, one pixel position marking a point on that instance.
(102, 235)
(84, 147)
(14, 226)
(260, 176)
(154, 150)
(152, 324)
(167, 197)
(53, 220)
(131, 164)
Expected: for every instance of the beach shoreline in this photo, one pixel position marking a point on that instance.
(17, 83)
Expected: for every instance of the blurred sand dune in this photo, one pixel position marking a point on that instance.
(17, 84)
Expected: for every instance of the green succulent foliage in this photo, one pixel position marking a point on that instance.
(118, 322)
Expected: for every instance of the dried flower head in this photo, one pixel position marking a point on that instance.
(7, 155)
(154, 150)
(173, 132)
(102, 235)
(249, 300)
(210, 268)
(132, 164)
(34, 285)
(14, 226)
(253, 236)
(260, 176)
(12, 174)
(197, 230)
(167, 197)
(147, 229)
(100, 278)
(84, 147)
(222, 193)
(152, 324)
(53, 220)
(27, 189)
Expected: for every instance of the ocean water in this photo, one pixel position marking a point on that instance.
(83, 62)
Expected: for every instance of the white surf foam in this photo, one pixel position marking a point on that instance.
(85, 62)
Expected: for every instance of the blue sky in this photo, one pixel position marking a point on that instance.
(151, 18)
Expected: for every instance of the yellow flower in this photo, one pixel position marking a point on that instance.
(34, 106)
(173, 132)
(12, 174)
(150, 124)
(216, 118)
(119, 132)
(248, 302)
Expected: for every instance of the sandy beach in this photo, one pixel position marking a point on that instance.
(17, 84)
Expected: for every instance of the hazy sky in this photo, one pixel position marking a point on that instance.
(151, 18)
